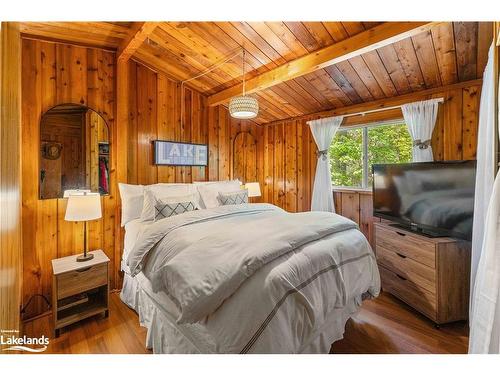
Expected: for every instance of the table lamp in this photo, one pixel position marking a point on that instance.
(253, 189)
(83, 207)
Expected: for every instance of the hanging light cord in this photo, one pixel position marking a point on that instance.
(217, 65)
(208, 70)
(244, 72)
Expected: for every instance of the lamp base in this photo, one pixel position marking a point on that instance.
(84, 258)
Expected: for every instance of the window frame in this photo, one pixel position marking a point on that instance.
(364, 146)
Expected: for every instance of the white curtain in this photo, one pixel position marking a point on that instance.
(485, 171)
(323, 131)
(485, 267)
(420, 117)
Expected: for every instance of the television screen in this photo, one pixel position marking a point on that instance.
(436, 198)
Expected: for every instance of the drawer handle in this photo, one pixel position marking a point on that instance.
(84, 269)
(401, 234)
(401, 255)
(401, 277)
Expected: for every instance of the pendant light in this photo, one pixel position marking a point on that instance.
(243, 106)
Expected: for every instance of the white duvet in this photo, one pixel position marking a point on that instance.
(246, 273)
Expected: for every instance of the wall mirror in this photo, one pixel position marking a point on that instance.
(74, 151)
(245, 157)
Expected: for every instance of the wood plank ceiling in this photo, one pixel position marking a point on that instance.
(447, 54)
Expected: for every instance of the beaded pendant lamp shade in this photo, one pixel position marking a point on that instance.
(243, 106)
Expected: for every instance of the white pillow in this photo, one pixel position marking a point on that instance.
(132, 197)
(152, 193)
(209, 192)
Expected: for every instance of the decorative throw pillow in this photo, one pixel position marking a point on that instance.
(167, 193)
(163, 210)
(235, 197)
(209, 192)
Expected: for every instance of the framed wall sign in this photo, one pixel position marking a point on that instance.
(180, 153)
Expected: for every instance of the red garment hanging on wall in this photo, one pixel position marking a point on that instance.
(103, 175)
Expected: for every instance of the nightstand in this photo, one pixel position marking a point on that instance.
(79, 289)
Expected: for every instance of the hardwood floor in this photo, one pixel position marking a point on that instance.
(120, 333)
(384, 325)
(388, 326)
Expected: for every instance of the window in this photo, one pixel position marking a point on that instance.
(354, 150)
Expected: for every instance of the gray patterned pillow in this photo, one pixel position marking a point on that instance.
(163, 210)
(235, 197)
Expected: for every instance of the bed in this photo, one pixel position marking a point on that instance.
(246, 278)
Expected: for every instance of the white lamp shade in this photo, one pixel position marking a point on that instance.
(83, 207)
(253, 189)
(243, 107)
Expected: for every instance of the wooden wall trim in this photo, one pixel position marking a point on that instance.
(48, 39)
(10, 176)
(122, 126)
(384, 103)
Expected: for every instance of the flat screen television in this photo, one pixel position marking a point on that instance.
(433, 198)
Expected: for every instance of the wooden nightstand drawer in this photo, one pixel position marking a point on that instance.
(74, 282)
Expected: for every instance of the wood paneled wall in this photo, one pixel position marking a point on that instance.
(155, 113)
(357, 205)
(54, 74)
(57, 73)
(222, 133)
(245, 167)
(289, 158)
(10, 176)
(289, 165)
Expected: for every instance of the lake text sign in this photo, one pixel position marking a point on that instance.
(179, 153)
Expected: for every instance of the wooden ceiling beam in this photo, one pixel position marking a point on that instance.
(385, 103)
(138, 34)
(369, 40)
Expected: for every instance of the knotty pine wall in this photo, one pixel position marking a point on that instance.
(10, 176)
(290, 152)
(56, 73)
(155, 113)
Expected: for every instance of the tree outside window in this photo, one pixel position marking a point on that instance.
(354, 150)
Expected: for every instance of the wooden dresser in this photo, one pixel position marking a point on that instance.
(430, 274)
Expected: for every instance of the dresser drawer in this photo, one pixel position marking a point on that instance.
(410, 269)
(417, 297)
(74, 282)
(413, 247)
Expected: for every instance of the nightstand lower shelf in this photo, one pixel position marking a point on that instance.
(96, 302)
(85, 312)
